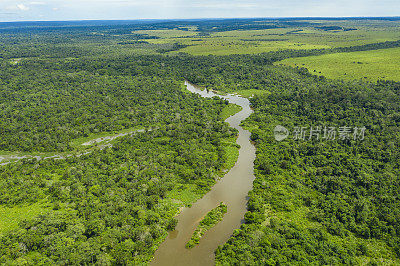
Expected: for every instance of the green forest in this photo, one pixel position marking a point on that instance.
(323, 201)
(314, 201)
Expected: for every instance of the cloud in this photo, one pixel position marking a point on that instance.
(224, 5)
(37, 3)
(137, 9)
(17, 7)
(7, 13)
(22, 7)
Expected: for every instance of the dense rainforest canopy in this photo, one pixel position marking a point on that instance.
(323, 201)
(314, 201)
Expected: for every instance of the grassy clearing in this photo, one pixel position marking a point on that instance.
(231, 149)
(230, 110)
(267, 40)
(186, 194)
(251, 93)
(209, 221)
(369, 65)
(367, 32)
(167, 33)
(227, 46)
(11, 216)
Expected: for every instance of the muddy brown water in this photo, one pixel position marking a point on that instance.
(232, 189)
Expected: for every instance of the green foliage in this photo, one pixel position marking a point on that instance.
(11, 216)
(210, 220)
(116, 195)
(34, 120)
(230, 110)
(312, 202)
(368, 65)
(115, 204)
(320, 201)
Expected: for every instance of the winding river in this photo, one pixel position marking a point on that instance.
(232, 189)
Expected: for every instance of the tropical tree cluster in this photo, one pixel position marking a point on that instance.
(323, 200)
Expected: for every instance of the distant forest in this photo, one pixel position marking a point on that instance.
(313, 202)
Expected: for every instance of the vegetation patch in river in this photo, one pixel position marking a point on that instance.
(210, 220)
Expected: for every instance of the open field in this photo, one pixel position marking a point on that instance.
(369, 65)
(226, 47)
(167, 33)
(230, 110)
(11, 216)
(252, 92)
(219, 45)
(316, 35)
(71, 91)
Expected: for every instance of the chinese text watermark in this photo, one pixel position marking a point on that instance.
(320, 133)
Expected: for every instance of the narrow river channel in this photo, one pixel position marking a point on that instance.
(232, 189)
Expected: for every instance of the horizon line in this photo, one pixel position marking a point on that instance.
(207, 18)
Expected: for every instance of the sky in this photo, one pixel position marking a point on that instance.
(59, 10)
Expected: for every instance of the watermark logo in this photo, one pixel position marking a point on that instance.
(280, 133)
(320, 133)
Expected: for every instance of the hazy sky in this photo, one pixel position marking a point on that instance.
(17, 10)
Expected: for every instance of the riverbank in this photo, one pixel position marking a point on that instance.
(232, 189)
